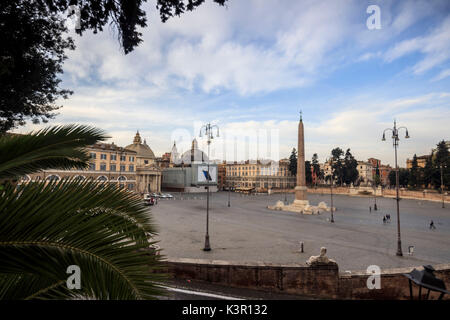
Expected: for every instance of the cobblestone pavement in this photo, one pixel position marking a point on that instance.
(249, 232)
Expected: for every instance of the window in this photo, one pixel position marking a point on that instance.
(112, 167)
(145, 161)
(92, 155)
(130, 186)
(113, 157)
(122, 168)
(131, 159)
(131, 168)
(92, 166)
(102, 167)
(103, 156)
(123, 158)
(102, 179)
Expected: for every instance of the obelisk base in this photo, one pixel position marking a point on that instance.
(300, 193)
(300, 206)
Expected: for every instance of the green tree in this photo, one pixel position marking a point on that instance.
(403, 175)
(316, 166)
(413, 173)
(377, 178)
(34, 38)
(350, 174)
(293, 162)
(427, 171)
(308, 172)
(441, 159)
(48, 226)
(391, 178)
(337, 164)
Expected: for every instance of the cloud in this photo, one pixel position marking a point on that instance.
(442, 75)
(435, 47)
(247, 65)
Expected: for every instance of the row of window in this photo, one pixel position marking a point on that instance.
(112, 167)
(261, 173)
(263, 185)
(104, 156)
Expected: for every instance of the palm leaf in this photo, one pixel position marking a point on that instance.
(59, 147)
(45, 227)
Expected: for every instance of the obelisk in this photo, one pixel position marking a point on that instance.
(300, 189)
(301, 203)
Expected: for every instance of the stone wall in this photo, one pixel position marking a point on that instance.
(321, 281)
(393, 284)
(389, 193)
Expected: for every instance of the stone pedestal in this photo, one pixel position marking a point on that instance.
(300, 193)
(300, 206)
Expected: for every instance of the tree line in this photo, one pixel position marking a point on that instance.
(343, 167)
(430, 175)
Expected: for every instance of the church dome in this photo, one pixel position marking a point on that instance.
(193, 155)
(142, 149)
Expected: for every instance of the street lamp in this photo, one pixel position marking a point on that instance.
(208, 129)
(395, 140)
(331, 191)
(442, 187)
(229, 195)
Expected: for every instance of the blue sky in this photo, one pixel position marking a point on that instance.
(250, 67)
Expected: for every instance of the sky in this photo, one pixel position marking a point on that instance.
(251, 66)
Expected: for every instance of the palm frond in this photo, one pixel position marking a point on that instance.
(46, 227)
(58, 147)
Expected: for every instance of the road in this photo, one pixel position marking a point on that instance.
(249, 232)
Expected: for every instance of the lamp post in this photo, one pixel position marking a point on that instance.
(229, 195)
(208, 129)
(442, 187)
(375, 197)
(331, 191)
(395, 140)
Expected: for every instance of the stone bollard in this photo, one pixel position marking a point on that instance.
(301, 247)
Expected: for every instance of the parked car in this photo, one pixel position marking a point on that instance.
(168, 195)
(149, 200)
(147, 196)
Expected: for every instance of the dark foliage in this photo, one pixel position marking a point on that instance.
(34, 38)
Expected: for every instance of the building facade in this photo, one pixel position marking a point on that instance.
(421, 161)
(259, 175)
(132, 167)
(365, 172)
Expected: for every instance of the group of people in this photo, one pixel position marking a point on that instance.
(387, 219)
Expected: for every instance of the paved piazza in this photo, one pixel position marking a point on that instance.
(249, 232)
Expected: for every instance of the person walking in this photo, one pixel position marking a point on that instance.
(432, 226)
(370, 209)
(384, 219)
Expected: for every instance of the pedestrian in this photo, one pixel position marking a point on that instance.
(389, 217)
(432, 225)
(370, 209)
(384, 219)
